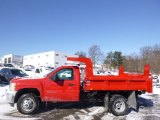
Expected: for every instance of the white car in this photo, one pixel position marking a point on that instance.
(38, 72)
(158, 85)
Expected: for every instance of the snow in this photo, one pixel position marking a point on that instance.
(5, 108)
(156, 90)
(3, 90)
(70, 117)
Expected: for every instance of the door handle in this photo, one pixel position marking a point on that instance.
(70, 84)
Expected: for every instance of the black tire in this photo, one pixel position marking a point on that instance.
(118, 105)
(28, 103)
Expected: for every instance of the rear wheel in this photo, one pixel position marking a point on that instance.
(28, 103)
(118, 105)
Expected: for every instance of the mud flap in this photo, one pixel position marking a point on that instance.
(132, 102)
(106, 102)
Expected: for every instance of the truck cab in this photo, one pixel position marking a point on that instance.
(62, 85)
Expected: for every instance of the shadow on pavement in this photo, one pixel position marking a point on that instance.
(142, 102)
(57, 108)
(68, 105)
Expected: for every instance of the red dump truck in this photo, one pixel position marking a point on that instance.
(119, 93)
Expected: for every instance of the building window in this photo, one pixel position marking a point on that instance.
(57, 62)
(57, 54)
(5, 60)
(9, 60)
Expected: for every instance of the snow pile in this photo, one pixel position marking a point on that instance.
(3, 90)
(156, 90)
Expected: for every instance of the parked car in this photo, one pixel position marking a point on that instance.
(8, 65)
(10, 73)
(2, 79)
(28, 67)
(38, 72)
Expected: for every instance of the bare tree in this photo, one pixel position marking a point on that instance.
(148, 55)
(81, 54)
(95, 54)
(151, 55)
(132, 63)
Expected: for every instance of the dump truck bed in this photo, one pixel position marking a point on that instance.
(118, 83)
(123, 81)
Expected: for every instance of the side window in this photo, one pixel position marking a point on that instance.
(5, 71)
(65, 74)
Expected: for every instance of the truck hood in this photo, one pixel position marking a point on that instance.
(26, 82)
(25, 78)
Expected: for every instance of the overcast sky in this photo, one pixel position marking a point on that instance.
(33, 26)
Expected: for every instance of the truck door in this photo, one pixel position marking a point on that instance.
(63, 86)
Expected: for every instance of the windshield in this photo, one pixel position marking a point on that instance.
(19, 73)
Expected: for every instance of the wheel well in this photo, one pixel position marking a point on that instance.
(26, 90)
(130, 96)
(123, 93)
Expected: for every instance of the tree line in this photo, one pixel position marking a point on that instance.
(133, 63)
(147, 55)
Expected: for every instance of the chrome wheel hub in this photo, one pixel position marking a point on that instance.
(28, 104)
(119, 106)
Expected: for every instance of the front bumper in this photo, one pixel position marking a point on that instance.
(10, 96)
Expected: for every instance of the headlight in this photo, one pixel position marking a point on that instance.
(12, 86)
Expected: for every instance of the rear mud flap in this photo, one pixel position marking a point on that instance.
(106, 102)
(132, 102)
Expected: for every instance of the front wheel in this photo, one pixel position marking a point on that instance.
(28, 103)
(118, 105)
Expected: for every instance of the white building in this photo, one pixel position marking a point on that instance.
(12, 59)
(1, 61)
(51, 58)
